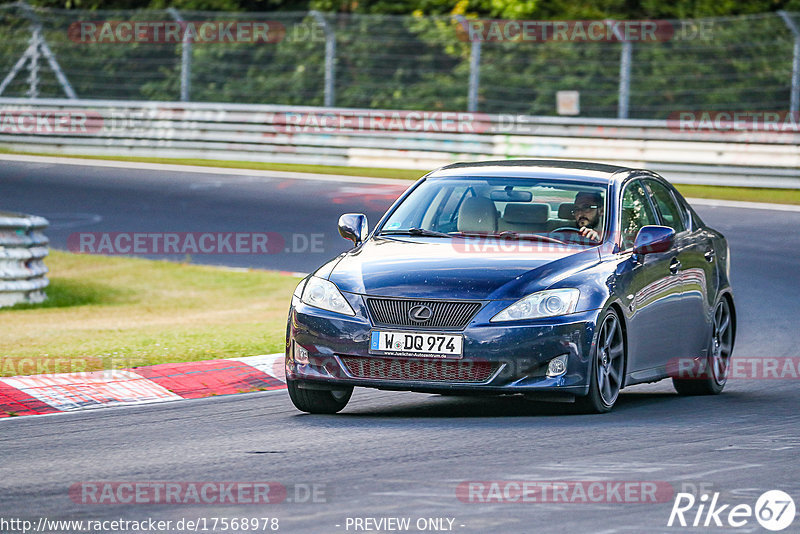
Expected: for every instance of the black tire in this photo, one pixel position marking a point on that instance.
(607, 366)
(712, 378)
(318, 400)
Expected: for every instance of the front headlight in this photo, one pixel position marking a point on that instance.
(324, 294)
(547, 303)
(298, 292)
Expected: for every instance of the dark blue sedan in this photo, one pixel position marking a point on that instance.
(562, 281)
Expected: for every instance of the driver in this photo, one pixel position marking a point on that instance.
(588, 212)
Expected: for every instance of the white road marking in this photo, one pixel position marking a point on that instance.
(741, 204)
(164, 167)
(205, 185)
(71, 220)
(699, 475)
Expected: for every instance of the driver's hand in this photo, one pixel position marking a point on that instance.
(588, 233)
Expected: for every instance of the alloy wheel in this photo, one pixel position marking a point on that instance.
(721, 342)
(610, 352)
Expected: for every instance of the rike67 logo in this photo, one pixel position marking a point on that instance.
(774, 510)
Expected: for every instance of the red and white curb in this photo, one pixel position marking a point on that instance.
(66, 392)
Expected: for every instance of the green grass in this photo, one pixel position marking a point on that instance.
(748, 194)
(122, 312)
(370, 172)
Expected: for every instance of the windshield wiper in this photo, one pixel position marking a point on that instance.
(416, 232)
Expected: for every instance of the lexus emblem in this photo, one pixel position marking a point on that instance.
(420, 313)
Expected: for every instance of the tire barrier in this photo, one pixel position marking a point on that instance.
(23, 247)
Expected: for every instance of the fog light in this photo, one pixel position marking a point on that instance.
(557, 366)
(300, 354)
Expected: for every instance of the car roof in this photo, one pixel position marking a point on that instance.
(539, 168)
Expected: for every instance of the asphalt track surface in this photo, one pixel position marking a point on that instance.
(401, 454)
(302, 214)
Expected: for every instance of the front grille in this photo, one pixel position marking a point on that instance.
(445, 314)
(424, 370)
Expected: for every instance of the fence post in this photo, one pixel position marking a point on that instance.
(794, 105)
(625, 80)
(186, 58)
(474, 68)
(37, 47)
(330, 59)
(625, 59)
(33, 67)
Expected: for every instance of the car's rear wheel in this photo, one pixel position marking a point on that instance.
(607, 366)
(318, 400)
(712, 378)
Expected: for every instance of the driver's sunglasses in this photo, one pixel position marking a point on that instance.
(586, 207)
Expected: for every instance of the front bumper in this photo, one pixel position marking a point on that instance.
(498, 358)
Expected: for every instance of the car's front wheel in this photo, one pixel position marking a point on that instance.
(318, 400)
(607, 366)
(712, 379)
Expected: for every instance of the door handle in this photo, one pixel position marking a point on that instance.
(709, 255)
(674, 266)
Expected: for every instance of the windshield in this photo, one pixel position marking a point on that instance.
(522, 208)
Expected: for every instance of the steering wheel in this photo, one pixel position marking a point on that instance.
(565, 229)
(575, 231)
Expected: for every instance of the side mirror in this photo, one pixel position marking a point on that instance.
(652, 239)
(353, 226)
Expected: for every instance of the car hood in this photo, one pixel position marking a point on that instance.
(478, 269)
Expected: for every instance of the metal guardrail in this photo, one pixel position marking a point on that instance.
(23, 247)
(337, 136)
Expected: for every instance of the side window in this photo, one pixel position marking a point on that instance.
(670, 213)
(691, 220)
(636, 212)
(686, 214)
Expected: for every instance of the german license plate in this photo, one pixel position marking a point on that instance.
(421, 344)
